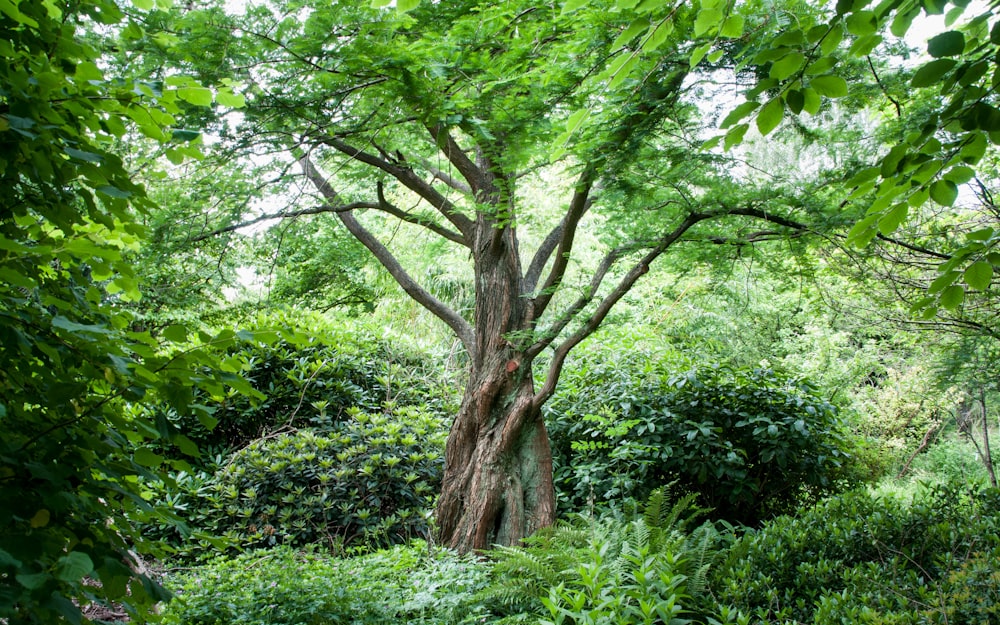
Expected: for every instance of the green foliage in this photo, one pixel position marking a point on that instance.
(281, 586)
(645, 570)
(68, 476)
(368, 481)
(859, 558)
(752, 443)
(945, 142)
(311, 378)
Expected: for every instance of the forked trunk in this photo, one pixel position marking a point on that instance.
(498, 466)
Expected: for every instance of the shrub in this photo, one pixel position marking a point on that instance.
(370, 481)
(861, 558)
(282, 586)
(751, 443)
(310, 378)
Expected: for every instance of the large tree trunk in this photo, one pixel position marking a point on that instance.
(498, 465)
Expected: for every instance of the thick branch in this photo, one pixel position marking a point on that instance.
(387, 207)
(606, 304)
(439, 309)
(457, 157)
(542, 255)
(459, 185)
(577, 208)
(411, 181)
(626, 283)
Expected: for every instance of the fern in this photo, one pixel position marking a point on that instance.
(614, 552)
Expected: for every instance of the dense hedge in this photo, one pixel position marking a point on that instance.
(866, 559)
(282, 586)
(752, 443)
(311, 378)
(369, 481)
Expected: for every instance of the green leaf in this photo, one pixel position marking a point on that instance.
(795, 101)
(861, 23)
(707, 20)
(636, 28)
(199, 96)
(735, 136)
(944, 192)
(942, 281)
(82, 155)
(863, 232)
(573, 5)
(829, 85)
(932, 72)
(147, 458)
(960, 174)
(32, 581)
(952, 297)
(73, 566)
(143, 5)
(175, 333)
(732, 28)
(951, 43)
(657, 35)
(183, 136)
(405, 6)
(739, 113)
(892, 219)
(576, 119)
(901, 23)
(229, 99)
(811, 101)
(787, 65)
(770, 115)
(114, 192)
(378, 4)
(979, 275)
(699, 53)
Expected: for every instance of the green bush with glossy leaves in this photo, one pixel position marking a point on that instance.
(753, 443)
(311, 377)
(370, 481)
(860, 558)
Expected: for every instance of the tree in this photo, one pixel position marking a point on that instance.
(951, 112)
(449, 109)
(70, 474)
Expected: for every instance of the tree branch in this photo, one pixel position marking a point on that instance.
(325, 208)
(439, 309)
(456, 156)
(387, 207)
(578, 207)
(410, 180)
(608, 302)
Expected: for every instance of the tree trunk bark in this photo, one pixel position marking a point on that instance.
(497, 486)
(498, 467)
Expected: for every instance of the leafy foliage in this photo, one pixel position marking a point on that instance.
(68, 476)
(646, 570)
(752, 443)
(368, 481)
(281, 586)
(311, 376)
(858, 558)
